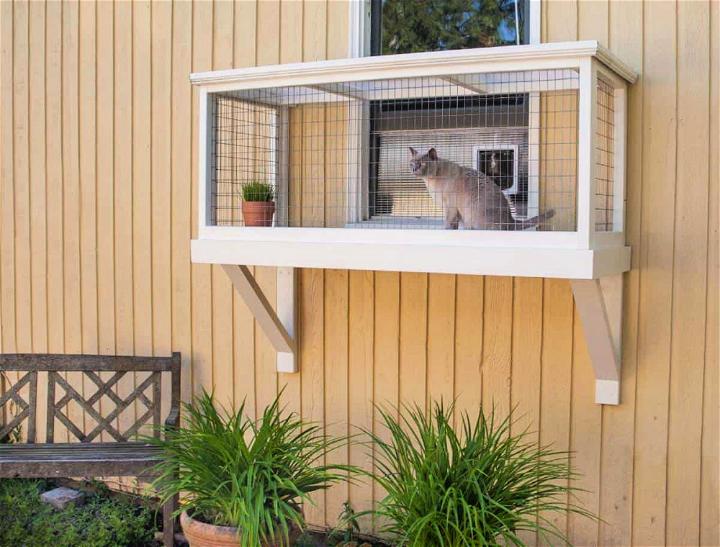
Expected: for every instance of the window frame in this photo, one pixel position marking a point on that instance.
(360, 25)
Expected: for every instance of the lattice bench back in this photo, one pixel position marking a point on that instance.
(146, 393)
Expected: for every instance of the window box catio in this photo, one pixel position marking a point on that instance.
(494, 161)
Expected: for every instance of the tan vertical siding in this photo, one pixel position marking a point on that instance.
(709, 499)
(98, 200)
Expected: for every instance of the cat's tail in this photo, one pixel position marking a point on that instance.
(534, 221)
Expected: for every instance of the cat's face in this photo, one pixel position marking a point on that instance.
(421, 164)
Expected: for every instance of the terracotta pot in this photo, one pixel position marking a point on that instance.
(258, 213)
(201, 534)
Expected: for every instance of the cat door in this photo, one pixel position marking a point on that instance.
(501, 163)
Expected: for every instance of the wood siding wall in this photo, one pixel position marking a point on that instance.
(98, 204)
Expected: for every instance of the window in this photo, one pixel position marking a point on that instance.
(488, 133)
(411, 26)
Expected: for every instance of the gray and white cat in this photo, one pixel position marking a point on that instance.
(468, 197)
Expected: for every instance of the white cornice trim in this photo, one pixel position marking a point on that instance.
(332, 70)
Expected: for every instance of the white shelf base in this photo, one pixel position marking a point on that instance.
(454, 259)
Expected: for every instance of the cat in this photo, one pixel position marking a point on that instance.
(468, 197)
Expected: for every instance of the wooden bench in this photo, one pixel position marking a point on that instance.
(91, 456)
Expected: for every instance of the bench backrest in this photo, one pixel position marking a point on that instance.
(141, 396)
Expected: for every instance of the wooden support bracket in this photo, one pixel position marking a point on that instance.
(278, 326)
(599, 305)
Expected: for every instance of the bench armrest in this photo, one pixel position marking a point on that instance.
(173, 419)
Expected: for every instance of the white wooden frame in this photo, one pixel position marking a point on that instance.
(585, 57)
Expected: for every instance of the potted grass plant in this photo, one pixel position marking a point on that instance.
(258, 206)
(480, 485)
(242, 482)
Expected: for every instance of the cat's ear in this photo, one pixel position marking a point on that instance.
(432, 154)
(413, 152)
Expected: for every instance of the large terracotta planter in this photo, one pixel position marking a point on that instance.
(258, 213)
(201, 534)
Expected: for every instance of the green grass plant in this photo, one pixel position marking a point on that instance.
(479, 485)
(251, 474)
(257, 191)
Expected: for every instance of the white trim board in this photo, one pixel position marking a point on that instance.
(558, 55)
(429, 258)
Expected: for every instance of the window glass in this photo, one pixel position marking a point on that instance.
(409, 26)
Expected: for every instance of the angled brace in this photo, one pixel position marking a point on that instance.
(599, 305)
(278, 326)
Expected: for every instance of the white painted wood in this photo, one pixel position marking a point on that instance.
(393, 88)
(611, 287)
(279, 96)
(273, 154)
(607, 392)
(514, 82)
(282, 195)
(253, 296)
(285, 306)
(355, 161)
(610, 261)
(620, 147)
(587, 105)
(535, 18)
(533, 198)
(205, 152)
(599, 305)
(501, 261)
(382, 236)
(363, 196)
(608, 239)
(558, 55)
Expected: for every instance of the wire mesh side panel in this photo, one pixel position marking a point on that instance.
(605, 157)
(470, 151)
(245, 145)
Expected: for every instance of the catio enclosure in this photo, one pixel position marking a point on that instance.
(419, 161)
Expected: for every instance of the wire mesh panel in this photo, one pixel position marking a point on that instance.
(604, 157)
(245, 148)
(485, 151)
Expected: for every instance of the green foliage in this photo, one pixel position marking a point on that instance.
(348, 526)
(478, 486)
(101, 522)
(15, 434)
(254, 475)
(429, 25)
(257, 191)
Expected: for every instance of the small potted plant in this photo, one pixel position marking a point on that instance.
(258, 206)
(242, 481)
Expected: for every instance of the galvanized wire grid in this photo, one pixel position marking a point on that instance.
(337, 155)
(604, 157)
